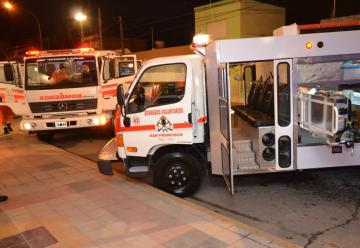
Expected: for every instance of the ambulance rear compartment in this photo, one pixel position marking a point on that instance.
(325, 113)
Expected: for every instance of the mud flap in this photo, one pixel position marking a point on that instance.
(105, 157)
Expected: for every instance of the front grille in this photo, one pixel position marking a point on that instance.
(63, 106)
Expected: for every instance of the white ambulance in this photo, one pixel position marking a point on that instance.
(73, 88)
(300, 110)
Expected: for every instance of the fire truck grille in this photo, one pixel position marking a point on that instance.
(63, 106)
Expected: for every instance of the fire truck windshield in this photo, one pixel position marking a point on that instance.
(60, 72)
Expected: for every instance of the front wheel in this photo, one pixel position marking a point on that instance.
(178, 173)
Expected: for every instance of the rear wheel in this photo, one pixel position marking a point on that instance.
(46, 137)
(178, 173)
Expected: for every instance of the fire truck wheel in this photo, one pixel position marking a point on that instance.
(178, 174)
(46, 137)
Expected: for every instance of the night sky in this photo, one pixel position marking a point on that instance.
(172, 20)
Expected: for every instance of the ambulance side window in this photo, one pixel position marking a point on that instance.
(158, 85)
(118, 68)
(125, 67)
(109, 69)
(7, 74)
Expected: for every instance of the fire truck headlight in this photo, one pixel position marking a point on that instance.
(103, 119)
(27, 126)
(96, 121)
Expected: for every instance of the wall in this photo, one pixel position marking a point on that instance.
(233, 19)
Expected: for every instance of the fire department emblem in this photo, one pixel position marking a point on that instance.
(164, 125)
(136, 120)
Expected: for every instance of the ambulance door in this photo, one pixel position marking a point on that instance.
(284, 128)
(159, 108)
(116, 70)
(12, 94)
(225, 126)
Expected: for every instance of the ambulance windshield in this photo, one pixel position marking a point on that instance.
(60, 72)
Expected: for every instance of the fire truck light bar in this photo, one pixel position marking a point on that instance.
(63, 51)
(32, 53)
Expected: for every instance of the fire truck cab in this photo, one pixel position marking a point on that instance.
(73, 88)
(299, 109)
(12, 94)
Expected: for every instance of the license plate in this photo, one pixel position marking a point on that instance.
(61, 124)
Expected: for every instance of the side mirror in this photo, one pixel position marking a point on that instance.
(120, 95)
(112, 68)
(9, 73)
(126, 121)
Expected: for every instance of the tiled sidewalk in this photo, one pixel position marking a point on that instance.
(57, 199)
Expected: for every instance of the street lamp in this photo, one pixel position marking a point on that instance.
(80, 17)
(9, 6)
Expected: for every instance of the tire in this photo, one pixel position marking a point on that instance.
(46, 137)
(178, 173)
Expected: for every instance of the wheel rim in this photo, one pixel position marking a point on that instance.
(177, 177)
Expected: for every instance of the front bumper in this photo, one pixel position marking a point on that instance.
(53, 124)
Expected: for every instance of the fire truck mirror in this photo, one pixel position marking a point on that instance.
(127, 121)
(120, 95)
(8, 73)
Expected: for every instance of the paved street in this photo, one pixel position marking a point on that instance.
(57, 199)
(316, 208)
